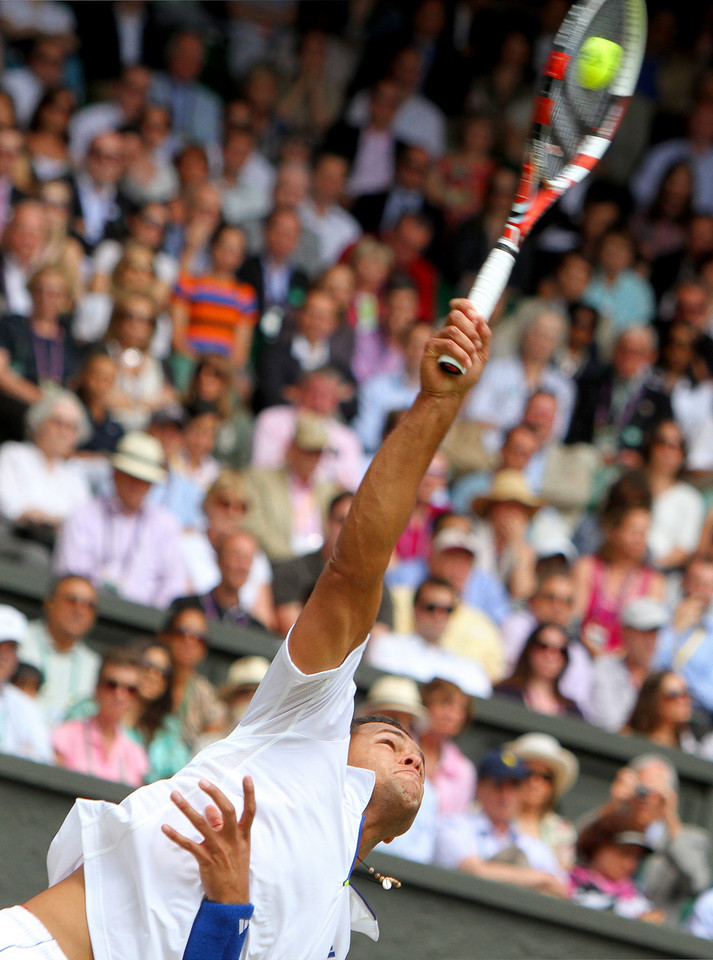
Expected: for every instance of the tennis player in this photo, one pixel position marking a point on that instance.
(122, 890)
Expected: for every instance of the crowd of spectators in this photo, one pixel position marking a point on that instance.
(226, 233)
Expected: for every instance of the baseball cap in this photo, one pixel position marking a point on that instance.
(645, 614)
(453, 539)
(13, 624)
(311, 433)
(502, 765)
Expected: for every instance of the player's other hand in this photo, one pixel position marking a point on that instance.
(223, 857)
(465, 336)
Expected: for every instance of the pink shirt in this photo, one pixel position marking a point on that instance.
(454, 779)
(80, 747)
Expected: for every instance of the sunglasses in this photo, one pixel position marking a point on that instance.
(437, 608)
(188, 634)
(80, 601)
(231, 504)
(674, 694)
(110, 684)
(541, 645)
(541, 775)
(149, 665)
(557, 598)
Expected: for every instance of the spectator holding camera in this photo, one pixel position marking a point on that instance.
(646, 791)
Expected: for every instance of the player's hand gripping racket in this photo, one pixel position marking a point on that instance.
(585, 88)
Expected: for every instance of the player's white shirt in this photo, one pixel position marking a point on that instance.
(143, 892)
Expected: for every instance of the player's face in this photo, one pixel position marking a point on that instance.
(400, 772)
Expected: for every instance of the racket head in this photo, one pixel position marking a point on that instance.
(569, 116)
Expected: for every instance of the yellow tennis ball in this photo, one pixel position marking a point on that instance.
(598, 63)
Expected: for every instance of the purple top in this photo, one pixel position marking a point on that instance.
(137, 555)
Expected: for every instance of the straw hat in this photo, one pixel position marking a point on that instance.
(311, 432)
(245, 672)
(543, 747)
(395, 693)
(508, 486)
(141, 456)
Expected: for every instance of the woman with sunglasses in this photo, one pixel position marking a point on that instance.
(99, 745)
(662, 714)
(151, 720)
(193, 697)
(535, 679)
(552, 772)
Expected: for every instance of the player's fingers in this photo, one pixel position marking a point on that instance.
(187, 810)
(249, 807)
(454, 334)
(190, 845)
(226, 808)
(467, 307)
(214, 817)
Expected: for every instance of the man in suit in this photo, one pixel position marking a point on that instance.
(307, 345)
(380, 212)
(277, 280)
(617, 409)
(129, 36)
(371, 148)
(99, 208)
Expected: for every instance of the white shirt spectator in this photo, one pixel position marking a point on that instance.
(336, 229)
(418, 121)
(410, 655)
(501, 395)
(17, 296)
(676, 521)
(250, 195)
(23, 731)
(69, 675)
(473, 835)
(26, 91)
(294, 736)
(27, 483)
(373, 165)
(613, 694)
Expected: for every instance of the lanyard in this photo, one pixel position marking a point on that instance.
(49, 358)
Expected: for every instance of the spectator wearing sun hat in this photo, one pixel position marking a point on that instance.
(122, 542)
(505, 512)
(490, 842)
(552, 771)
(23, 731)
(617, 678)
(288, 504)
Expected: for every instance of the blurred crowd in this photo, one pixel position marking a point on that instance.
(227, 230)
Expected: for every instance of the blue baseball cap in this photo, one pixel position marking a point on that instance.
(502, 765)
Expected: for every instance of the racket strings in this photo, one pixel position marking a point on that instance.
(577, 111)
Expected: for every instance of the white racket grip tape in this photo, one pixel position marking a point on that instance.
(485, 293)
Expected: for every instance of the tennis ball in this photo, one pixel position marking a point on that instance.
(598, 63)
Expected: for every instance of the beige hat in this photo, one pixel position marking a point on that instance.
(245, 672)
(140, 456)
(508, 485)
(395, 693)
(311, 433)
(543, 747)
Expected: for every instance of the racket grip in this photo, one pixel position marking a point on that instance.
(484, 294)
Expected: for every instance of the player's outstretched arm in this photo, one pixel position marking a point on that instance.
(223, 859)
(344, 603)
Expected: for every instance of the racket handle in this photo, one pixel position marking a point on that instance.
(484, 294)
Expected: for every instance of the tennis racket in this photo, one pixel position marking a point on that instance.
(575, 117)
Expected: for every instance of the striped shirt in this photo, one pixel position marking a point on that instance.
(216, 308)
